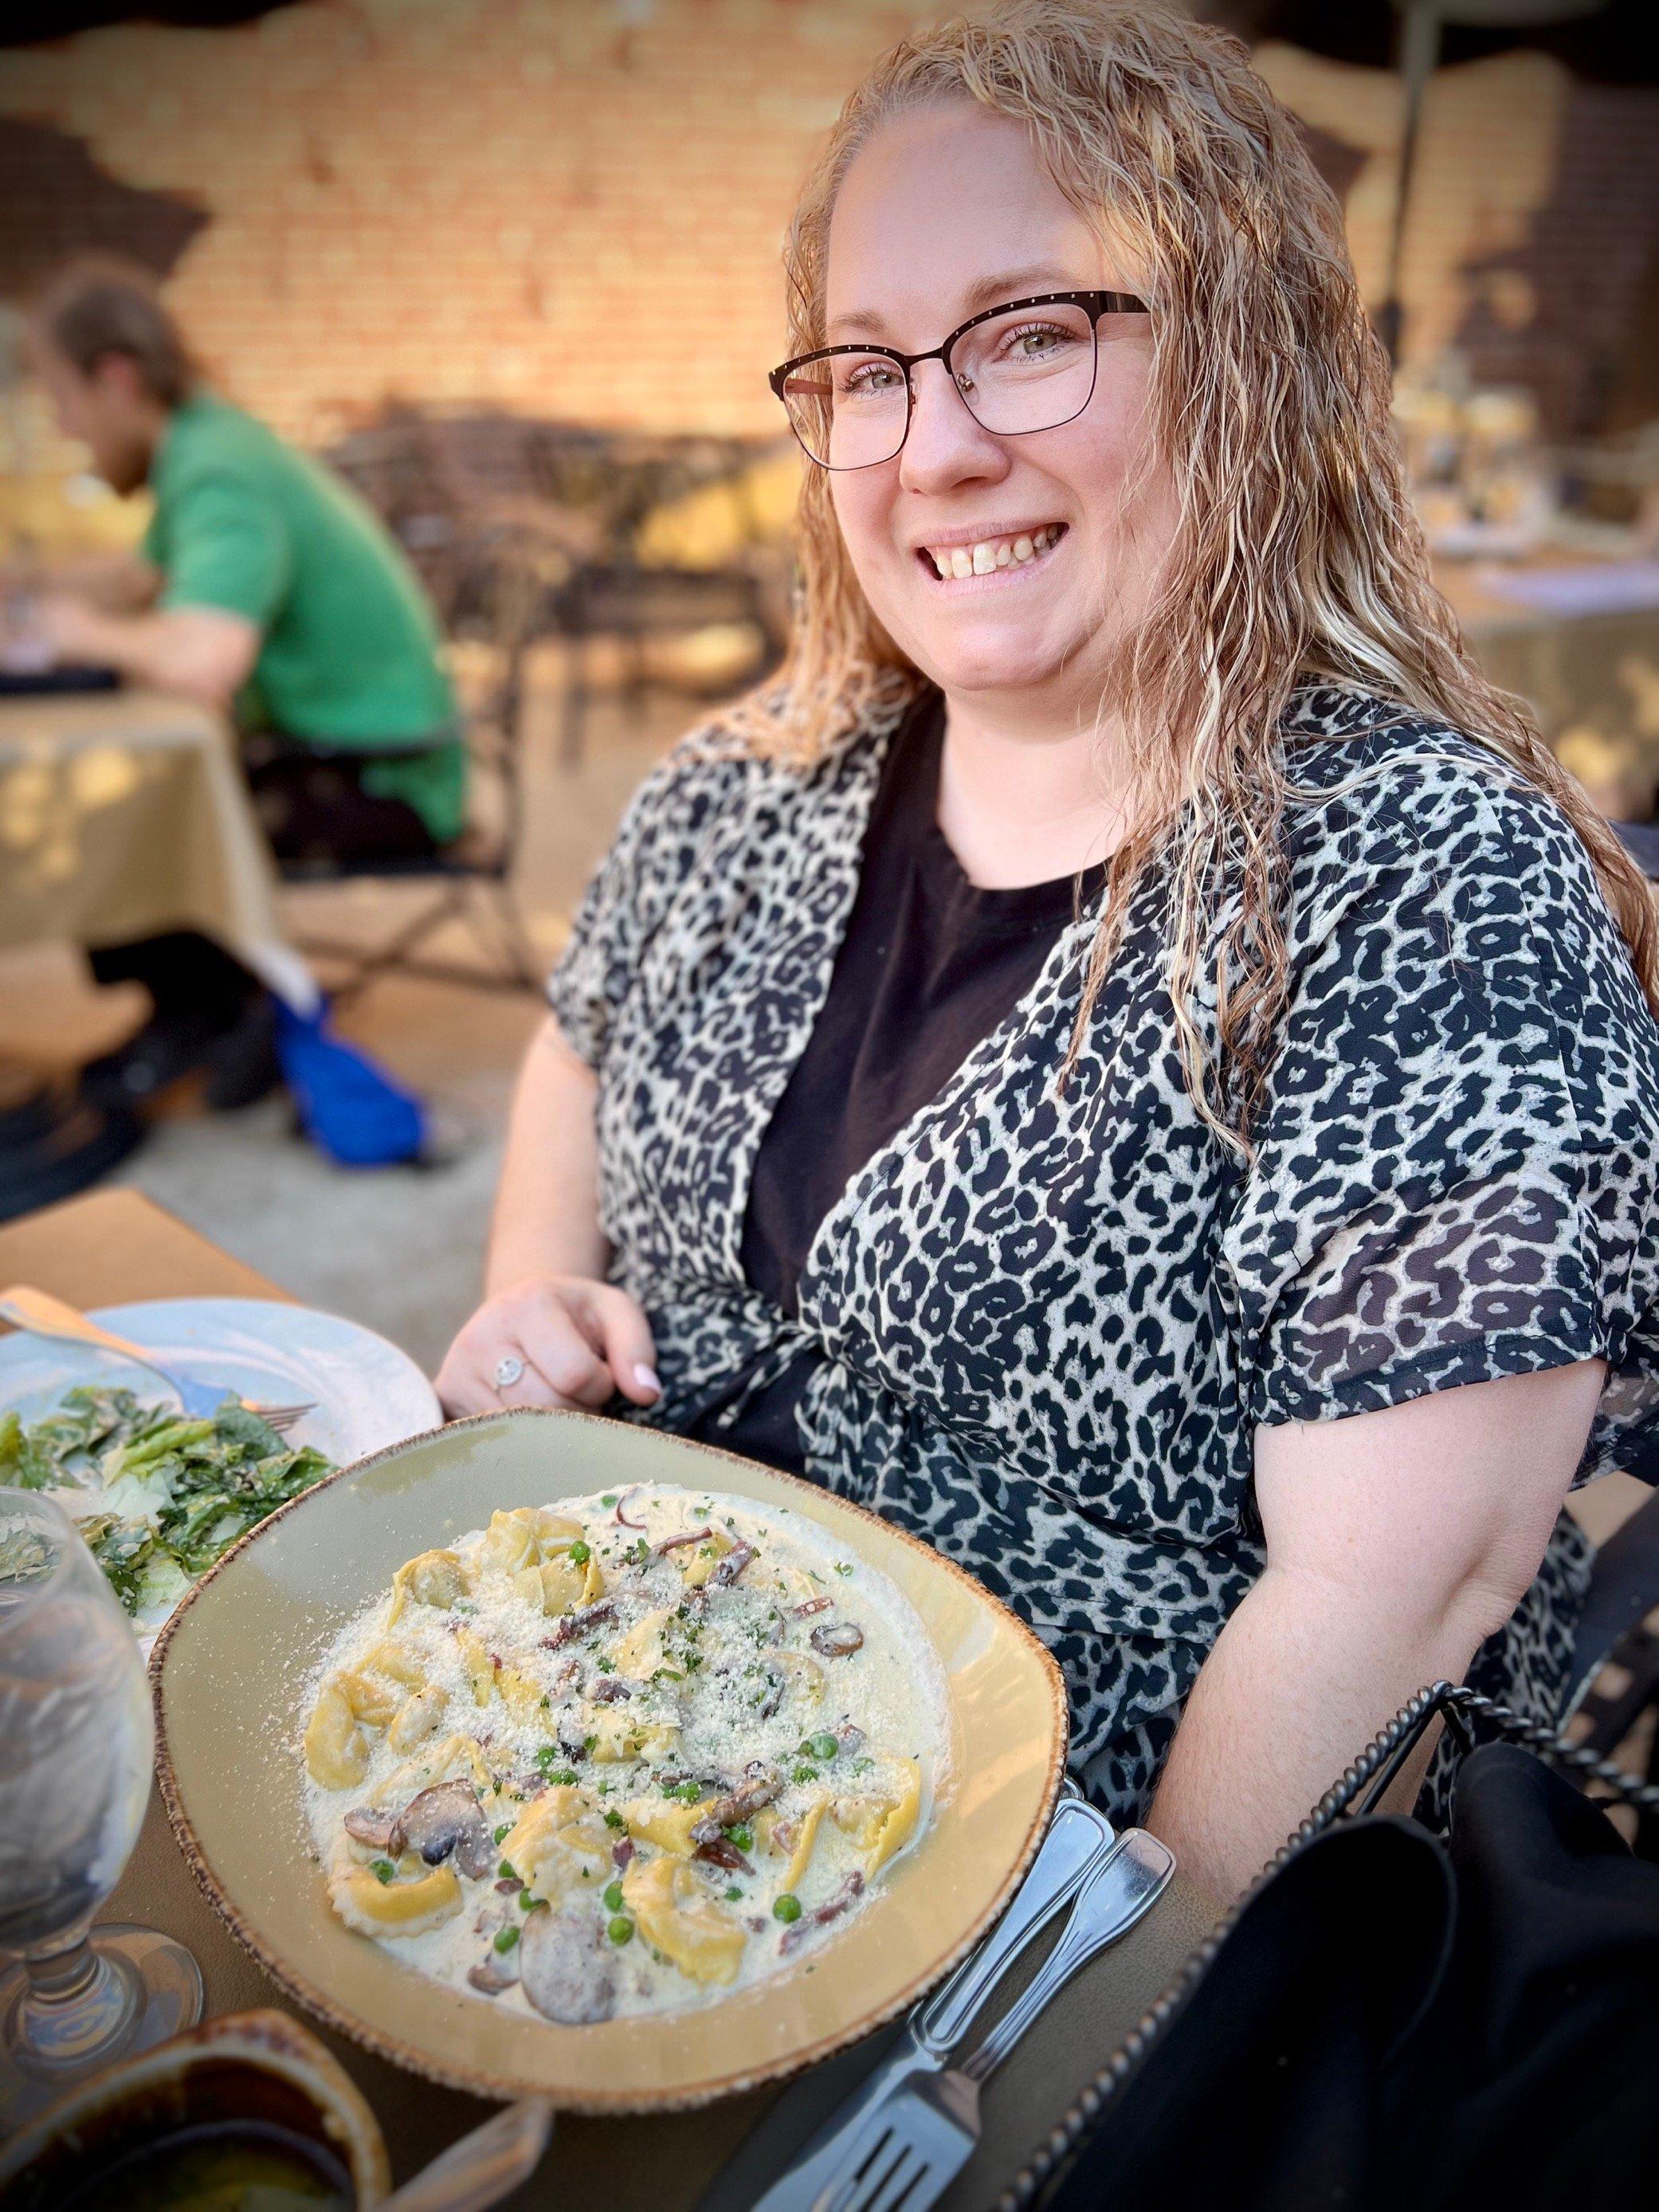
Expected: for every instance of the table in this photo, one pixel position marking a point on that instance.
(122, 813)
(111, 1247)
(1592, 680)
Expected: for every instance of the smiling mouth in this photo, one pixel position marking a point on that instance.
(951, 563)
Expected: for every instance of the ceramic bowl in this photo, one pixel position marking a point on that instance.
(231, 1669)
(250, 2066)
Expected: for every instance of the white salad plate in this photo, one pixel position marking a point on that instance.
(364, 1392)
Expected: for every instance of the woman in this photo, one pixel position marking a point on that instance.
(1131, 1058)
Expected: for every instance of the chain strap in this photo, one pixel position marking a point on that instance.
(1369, 1774)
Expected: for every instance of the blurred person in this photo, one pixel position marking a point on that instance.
(1130, 1058)
(266, 589)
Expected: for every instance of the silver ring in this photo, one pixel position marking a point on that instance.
(508, 1368)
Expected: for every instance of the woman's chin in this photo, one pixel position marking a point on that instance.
(996, 663)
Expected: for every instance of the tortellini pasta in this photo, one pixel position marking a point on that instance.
(678, 1919)
(617, 1756)
(395, 1908)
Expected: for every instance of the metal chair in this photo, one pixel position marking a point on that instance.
(472, 878)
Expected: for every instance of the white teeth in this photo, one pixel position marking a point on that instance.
(992, 553)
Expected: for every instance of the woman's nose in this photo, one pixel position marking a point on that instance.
(944, 445)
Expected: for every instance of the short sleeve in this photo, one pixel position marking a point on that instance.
(224, 547)
(1457, 1175)
(649, 861)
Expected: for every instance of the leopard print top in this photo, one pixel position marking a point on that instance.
(1046, 1326)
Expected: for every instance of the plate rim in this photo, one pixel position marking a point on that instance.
(284, 1303)
(602, 2104)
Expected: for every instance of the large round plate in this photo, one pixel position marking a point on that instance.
(364, 1392)
(230, 1669)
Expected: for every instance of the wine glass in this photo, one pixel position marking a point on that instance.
(76, 1742)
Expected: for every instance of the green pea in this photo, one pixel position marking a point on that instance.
(506, 1938)
(503, 1832)
(734, 1895)
(580, 1552)
(382, 1869)
(504, 1871)
(621, 1929)
(786, 1907)
(824, 1747)
(526, 1902)
(613, 1897)
(743, 1836)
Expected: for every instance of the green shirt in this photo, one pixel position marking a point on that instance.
(351, 658)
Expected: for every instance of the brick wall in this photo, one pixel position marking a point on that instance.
(505, 203)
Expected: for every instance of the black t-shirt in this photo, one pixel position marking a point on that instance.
(929, 966)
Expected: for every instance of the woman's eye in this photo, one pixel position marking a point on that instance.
(1037, 340)
(869, 379)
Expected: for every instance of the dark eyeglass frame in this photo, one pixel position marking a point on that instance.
(1096, 303)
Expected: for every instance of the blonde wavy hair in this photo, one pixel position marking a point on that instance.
(1297, 553)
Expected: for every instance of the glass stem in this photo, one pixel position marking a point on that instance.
(78, 2004)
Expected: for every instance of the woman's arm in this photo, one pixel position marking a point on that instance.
(546, 1301)
(1397, 1541)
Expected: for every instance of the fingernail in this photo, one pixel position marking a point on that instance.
(647, 1379)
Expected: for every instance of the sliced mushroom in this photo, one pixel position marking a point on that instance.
(813, 1604)
(578, 1624)
(498, 1972)
(447, 1819)
(851, 1888)
(566, 1976)
(691, 1536)
(621, 1853)
(730, 1567)
(380, 1832)
(611, 1689)
(720, 1852)
(839, 1641)
(848, 1735)
(776, 1683)
(759, 1786)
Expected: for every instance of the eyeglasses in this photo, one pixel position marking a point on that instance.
(1029, 364)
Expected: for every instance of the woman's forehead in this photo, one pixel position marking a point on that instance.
(945, 210)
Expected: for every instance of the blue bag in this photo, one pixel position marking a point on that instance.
(347, 1105)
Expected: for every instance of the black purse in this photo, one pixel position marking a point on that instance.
(1390, 2016)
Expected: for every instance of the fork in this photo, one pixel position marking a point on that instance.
(40, 1315)
(930, 2129)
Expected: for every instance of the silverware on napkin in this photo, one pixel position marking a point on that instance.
(912, 2149)
(1078, 1840)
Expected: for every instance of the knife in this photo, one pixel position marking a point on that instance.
(1078, 1840)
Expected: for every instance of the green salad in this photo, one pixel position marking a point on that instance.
(162, 1496)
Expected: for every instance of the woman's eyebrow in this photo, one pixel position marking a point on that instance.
(986, 292)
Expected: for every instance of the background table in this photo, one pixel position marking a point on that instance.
(1591, 678)
(114, 1246)
(122, 813)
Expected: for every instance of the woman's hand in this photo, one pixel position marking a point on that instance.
(579, 1342)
